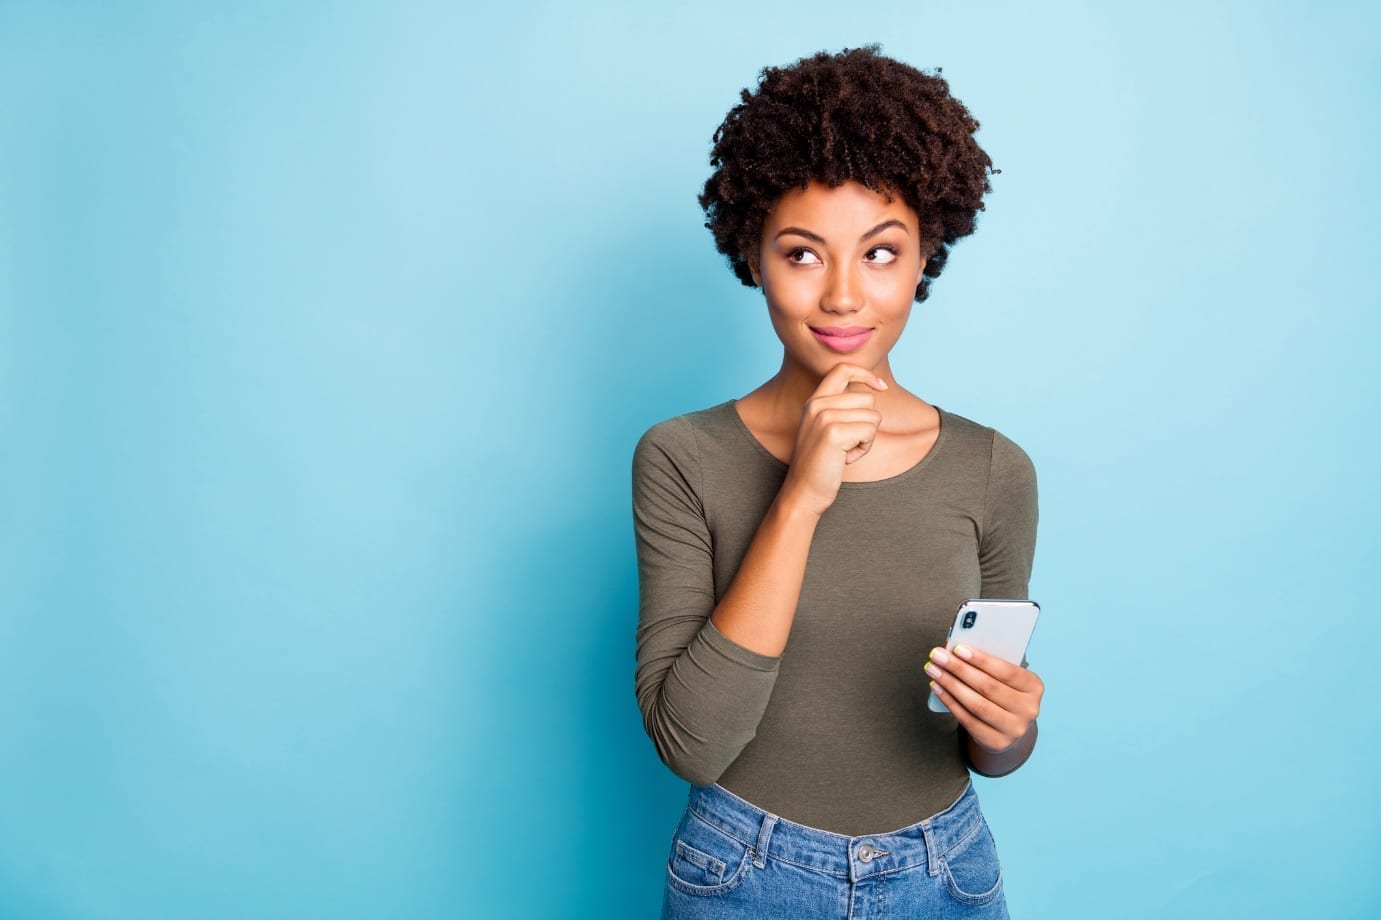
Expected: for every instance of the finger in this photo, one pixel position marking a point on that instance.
(983, 683)
(1011, 674)
(863, 415)
(980, 731)
(858, 450)
(855, 436)
(851, 399)
(996, 717)
(844, 428)
(838, 378)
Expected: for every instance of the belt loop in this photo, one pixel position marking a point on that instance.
(764, 835)
(932, 858)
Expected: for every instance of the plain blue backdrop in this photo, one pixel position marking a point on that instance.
(327, 331)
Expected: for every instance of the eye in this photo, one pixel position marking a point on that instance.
(881, 255)
(802, 256)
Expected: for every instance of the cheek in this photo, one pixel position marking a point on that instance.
(895, 286)
(783, 322)
(787, 295)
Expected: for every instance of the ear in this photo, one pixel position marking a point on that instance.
(920, 272)
(757, 275)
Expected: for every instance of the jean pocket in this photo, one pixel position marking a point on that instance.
(972, 871)
(705, 860)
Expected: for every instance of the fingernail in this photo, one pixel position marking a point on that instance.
(963, 651)
(883, 383)
(932, 670)
(939, 655)
(939, 691)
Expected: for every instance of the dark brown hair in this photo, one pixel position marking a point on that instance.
(834, 117)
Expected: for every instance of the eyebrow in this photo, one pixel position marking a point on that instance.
(820, 239)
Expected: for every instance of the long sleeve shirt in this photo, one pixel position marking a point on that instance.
(835, 732)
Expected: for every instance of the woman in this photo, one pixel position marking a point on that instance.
(802, 550)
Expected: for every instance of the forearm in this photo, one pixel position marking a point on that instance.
(758, 608)
(992, 764)
(703, 710)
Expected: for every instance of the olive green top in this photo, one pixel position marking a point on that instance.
(835, 732)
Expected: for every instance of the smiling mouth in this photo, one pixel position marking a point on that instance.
(845, 339)
(841, 330)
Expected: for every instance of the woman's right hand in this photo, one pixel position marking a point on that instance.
(838, 425)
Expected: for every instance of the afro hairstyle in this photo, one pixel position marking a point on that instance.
(856, 115)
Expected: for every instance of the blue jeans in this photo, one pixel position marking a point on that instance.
(730, 858)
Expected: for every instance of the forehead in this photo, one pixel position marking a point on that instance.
(848, 210)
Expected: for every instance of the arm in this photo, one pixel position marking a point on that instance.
(993, 699)
(996, 703)
(988, 763)
(705, 672)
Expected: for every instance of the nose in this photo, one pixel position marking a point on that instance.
(843, 290)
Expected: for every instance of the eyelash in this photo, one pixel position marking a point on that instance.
(791, 256)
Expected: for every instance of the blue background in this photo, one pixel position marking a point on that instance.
(326, 334)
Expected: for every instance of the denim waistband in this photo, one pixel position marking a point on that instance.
(854, 858)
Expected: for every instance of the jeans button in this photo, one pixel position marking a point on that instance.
(865, 852)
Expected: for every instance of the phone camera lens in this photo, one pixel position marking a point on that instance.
(970, 617)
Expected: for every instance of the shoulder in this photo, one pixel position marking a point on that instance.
(680, 431)
(678, 439)
(1005, 459)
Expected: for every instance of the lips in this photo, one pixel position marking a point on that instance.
(841, 330)
(841, 338)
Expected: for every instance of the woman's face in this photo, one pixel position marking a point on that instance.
(839, 269)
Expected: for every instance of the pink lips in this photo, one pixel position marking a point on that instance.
(841, 338)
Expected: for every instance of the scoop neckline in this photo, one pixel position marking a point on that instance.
(869, 484)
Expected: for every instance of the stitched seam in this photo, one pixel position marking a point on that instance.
(960, 894)
(700, 467)
(722, 888)
(799, 865)
(968, 835)
(715, 824)
(987, 487)
(704, 860)
(895, 869)
(973, 829)
(965, 897)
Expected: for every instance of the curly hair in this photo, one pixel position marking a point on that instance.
(835, 117)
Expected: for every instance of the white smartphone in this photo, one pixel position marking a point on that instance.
(997, 626)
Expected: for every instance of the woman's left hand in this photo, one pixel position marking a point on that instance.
(996, 701)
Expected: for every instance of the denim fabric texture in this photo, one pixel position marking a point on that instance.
(729, 858)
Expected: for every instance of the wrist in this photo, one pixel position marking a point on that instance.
(991, 763)
(793, 510)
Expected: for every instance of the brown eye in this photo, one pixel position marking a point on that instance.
(883, 254)
(800, 256)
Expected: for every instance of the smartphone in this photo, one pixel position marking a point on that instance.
(997, 626)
